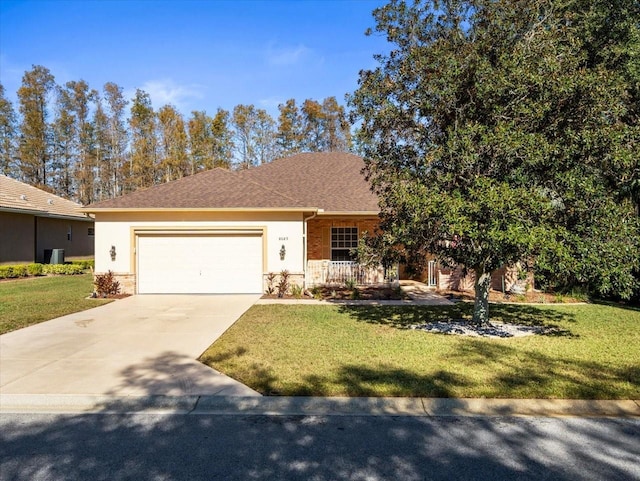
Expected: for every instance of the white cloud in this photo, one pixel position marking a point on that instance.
(286, 55)
(166, 91)
(271, 103)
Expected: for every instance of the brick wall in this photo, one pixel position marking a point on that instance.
(452, 279)
(319, 233)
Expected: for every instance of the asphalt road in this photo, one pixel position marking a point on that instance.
(147, 446)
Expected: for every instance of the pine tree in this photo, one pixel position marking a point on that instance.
(118, 137)
(143, 169)
(337, 131)
(77, 98)
(222, 140)
(8, 135)
(172, 136)
(103, 160)
(35, 132)
(289, 137)
(63, 151)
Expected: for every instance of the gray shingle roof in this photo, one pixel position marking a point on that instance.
(331, 181)
(17, 196)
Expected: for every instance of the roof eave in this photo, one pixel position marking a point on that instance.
(39, 213)
(199, 209)
(334, 213)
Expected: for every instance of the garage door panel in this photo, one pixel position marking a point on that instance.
(199, 264)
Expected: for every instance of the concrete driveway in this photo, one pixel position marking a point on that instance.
(140, 345)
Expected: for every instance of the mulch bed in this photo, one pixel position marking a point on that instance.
(110, 296)
(532, 297)
(343, 293)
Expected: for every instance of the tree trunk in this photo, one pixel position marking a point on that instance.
(481, 305)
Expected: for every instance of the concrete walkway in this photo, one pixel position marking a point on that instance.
(140, 345)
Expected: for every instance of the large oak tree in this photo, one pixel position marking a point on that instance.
(498, 131)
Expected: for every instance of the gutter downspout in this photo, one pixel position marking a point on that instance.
(304, 244)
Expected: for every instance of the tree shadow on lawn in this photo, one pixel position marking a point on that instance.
(513, 373)
(618, 305)
(403, 317)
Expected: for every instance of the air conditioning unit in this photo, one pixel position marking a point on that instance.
(54, 256)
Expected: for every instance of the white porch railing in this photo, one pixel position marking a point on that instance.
(341, 272)
(432, 280)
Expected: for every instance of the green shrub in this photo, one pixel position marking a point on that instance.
(6, 272)
(34, 269)
(17, 270)
(85, 263)
(316, 292)
(296, 291)
(579, 294)
(350, 284)
(62, 269)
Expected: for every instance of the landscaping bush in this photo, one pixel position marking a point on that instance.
(296, 291)
(62, 269)
(85, 263)
(7, 272)
(21, 270)
(271, 279)
(26, 270)
(106, 285)
(35, 269)
(283, 283)
(13, 271)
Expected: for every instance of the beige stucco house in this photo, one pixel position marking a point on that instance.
(222, 231)
(33, 222)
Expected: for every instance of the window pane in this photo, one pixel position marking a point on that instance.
(343, 239)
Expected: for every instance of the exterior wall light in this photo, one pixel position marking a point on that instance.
(112, 253)
(283, 252)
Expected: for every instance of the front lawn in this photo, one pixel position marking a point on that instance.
(368, 351)
(29, 301)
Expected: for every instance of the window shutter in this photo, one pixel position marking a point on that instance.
(326, 242)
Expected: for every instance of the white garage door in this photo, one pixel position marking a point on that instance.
(199, 264)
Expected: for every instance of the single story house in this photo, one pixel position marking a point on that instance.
(222, 231)
(34, 222)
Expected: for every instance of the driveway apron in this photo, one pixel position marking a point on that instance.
(140, 345)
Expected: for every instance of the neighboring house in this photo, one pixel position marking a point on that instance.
(223, 231)
(33, 222)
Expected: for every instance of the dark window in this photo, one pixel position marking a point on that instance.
(91, 231)
(343, 239)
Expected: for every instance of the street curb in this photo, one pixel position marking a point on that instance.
(317, 406)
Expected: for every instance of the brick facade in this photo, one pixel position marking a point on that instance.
(319, 233)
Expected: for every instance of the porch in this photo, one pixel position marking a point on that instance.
(325, 272)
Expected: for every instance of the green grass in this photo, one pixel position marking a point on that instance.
(369, 351)
(29, 301)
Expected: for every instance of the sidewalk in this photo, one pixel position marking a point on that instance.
(317, 406)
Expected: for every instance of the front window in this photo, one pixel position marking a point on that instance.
(343, 239)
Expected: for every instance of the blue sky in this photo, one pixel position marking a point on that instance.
(196, 55)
